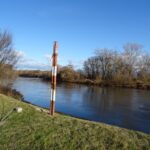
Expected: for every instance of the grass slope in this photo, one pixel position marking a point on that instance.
(34, 130)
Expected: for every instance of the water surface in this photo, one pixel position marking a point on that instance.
(129, 108)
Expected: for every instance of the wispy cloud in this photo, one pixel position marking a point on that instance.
(27, 63)
(20, 54)
(48, 57)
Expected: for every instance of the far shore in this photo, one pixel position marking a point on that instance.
(134, 84)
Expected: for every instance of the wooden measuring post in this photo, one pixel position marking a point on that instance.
(54, 77)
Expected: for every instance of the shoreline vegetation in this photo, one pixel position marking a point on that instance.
(35, 128)
(11, 92)
(107, 67)
(46, 75)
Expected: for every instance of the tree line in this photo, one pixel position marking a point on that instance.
(130, 65)
(108, 64)
(129, 68)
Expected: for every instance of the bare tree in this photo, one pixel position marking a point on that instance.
(131, 55)
(106, 62)
(8, 58)
(144, 67)
(146, 63)
(91, 67)
(101, 65)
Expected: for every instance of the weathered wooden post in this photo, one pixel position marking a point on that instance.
(54, 77)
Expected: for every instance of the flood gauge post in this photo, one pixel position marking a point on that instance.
(54, 78)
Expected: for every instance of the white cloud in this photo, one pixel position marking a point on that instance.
(20, 53)
(48, 57)
(27, 63)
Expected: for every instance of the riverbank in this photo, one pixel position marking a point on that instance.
(46, 75)
(11, 92)
(37, 130)
(134, 84)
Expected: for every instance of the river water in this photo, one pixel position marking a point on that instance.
(128, 108)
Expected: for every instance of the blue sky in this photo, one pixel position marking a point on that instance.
(79, 26)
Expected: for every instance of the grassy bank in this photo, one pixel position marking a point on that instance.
(36, 130)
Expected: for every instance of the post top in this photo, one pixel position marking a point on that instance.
(55, 44)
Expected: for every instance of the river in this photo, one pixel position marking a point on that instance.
(128, 108)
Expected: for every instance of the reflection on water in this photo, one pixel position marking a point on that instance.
(129, 108)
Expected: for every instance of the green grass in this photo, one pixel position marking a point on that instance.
(34, 130)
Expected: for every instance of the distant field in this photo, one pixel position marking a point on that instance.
(34, 130)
